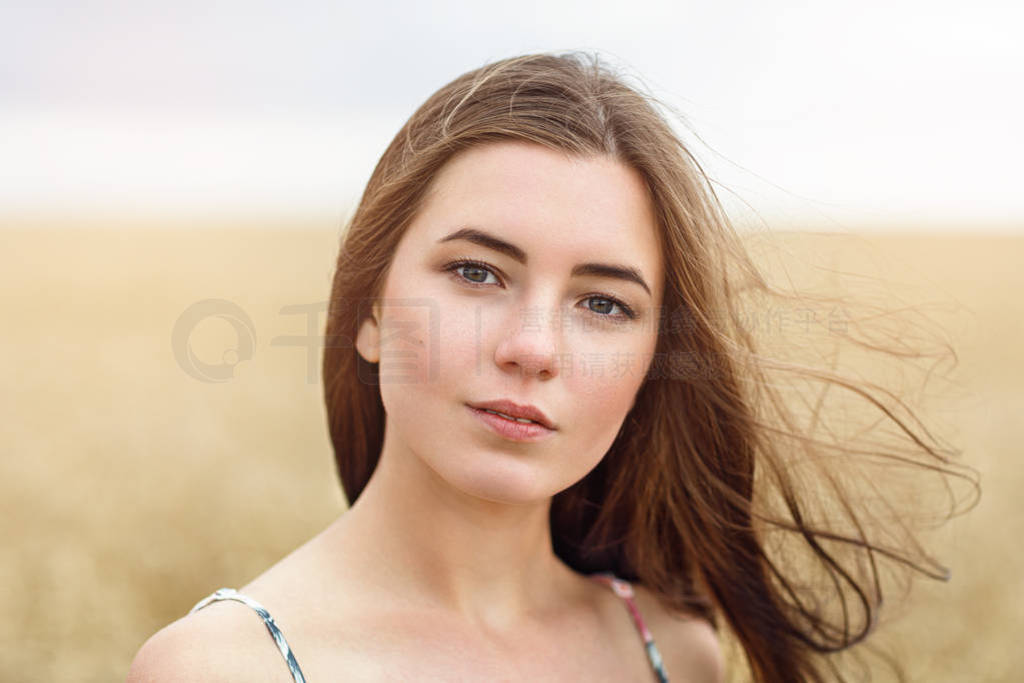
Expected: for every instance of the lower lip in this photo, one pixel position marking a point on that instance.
(512, 430)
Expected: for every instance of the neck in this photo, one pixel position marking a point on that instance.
(429, 544)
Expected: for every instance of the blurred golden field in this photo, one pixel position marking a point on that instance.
(130, 489)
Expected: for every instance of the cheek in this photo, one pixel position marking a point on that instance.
(603, 378)
(428, 350)
(409, 355)
(601, 402)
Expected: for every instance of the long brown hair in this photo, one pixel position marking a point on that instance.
(706, 469)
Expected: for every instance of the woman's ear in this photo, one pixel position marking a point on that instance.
(368, 337)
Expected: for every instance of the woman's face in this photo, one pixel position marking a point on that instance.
(518, 324)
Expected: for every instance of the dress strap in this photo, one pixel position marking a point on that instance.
(624, 590)
(275, 632)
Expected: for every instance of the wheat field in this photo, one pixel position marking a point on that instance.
(130, 488)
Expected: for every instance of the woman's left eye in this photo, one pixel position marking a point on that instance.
(462, 268)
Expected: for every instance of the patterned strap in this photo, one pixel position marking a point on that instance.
(624, 590)
(275, 632)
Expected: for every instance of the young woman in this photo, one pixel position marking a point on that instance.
(558, 442)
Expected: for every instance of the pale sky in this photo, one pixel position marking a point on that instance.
(842, 114)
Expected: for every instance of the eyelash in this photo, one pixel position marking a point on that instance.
(454, 266)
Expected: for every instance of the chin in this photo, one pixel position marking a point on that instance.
(511, 482)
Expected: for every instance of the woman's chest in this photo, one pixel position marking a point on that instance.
(426, 652)
(414, 662)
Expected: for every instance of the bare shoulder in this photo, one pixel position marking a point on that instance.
(224, 641)
(689, 646)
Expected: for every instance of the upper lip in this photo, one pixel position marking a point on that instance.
(515, 410)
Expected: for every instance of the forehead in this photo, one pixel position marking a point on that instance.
(554, 206)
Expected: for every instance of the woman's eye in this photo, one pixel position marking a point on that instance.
(605, 304)
(475, 273)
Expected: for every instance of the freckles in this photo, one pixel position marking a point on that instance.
(607, 395)
(409, 352)
(464, 335)
(606, 369)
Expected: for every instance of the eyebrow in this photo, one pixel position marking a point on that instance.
(611, 270)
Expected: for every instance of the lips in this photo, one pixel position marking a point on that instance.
(516, 410)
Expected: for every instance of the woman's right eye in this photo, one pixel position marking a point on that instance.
(470, 271)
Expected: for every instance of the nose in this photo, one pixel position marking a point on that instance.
(530, 345)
